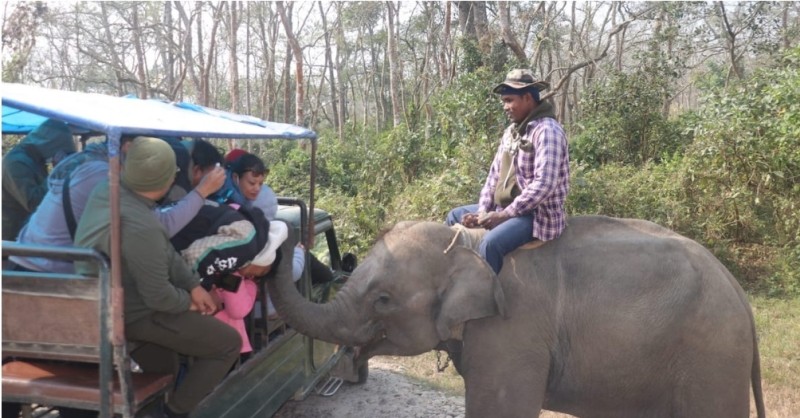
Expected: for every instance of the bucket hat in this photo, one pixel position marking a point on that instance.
(519, 79)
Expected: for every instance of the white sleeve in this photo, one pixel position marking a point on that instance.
(298, 263)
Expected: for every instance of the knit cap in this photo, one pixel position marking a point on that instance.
(234, 155)
(149, 165)
(278, 232)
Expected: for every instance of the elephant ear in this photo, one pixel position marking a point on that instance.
(472, 291)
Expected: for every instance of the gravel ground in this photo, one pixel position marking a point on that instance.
(386, 394)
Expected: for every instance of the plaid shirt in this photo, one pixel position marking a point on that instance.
(542, 176)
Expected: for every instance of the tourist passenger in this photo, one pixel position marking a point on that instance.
(55, 220)
(248, 172)
(165, 307)
(222, 239)
(25, 172)
(238, 302)
(231, 247)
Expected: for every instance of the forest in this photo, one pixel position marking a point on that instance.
(683, 113)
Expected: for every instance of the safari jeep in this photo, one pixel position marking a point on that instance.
(63, 334)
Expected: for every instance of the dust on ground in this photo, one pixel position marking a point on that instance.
(386, 394)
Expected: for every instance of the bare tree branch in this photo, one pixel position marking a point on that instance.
(591, 61)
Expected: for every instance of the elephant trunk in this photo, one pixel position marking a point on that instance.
(329, 322)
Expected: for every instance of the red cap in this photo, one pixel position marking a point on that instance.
(234, 155)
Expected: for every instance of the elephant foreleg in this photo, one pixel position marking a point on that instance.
(503, 385)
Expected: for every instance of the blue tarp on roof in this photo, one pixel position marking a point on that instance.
(16, 121)
(118, 115)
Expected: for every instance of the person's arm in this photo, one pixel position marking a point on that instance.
(298, 263)
(150, 261)
(542, 165)
(177, 216)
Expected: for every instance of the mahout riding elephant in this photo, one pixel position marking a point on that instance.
(616, 318)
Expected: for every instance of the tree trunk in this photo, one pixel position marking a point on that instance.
(233, 60)
(730, 40)
(201, 62)
(141, 62)
(536, 58)
(342, 54)
(394, 65)
(620, 45)
(188, 58)
(233, 56)
(269, 39)
(378, 84)
(666, 95)
(205, 61)
(466, 21)
(286, 78)
(481, 27)
(19, 38)
(247, 55)
(508, 35)
(297, 51)
(115, 60)
(445, 54)
(785, 26)
(329, 65)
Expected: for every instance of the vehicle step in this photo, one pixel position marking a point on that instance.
(330, 387)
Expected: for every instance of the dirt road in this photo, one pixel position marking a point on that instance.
(387, 394)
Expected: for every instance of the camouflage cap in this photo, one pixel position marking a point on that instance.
(519, 79)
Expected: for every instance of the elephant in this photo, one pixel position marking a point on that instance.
(615, 318)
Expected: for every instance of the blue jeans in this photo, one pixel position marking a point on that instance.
(501, 240)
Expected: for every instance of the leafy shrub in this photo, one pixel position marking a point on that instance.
(623, 123)
(745, 161)
(654, 192)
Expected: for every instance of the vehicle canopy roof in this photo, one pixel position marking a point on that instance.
(25, 107)
(113, 116)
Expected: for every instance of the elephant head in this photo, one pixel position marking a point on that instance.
(407, 295)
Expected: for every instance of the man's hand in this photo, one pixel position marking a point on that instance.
(202, 301)
(470, 220)
(216, 298)
(491, 219)
(211, 182)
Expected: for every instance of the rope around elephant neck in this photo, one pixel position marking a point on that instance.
(465, 237)
(455, 237)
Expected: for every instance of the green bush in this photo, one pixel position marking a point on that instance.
(745, 161)
(623, 123)
(654, 192)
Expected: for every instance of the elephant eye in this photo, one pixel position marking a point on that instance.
(382, 300)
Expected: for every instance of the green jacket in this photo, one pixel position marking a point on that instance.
(155, 277)
(25, 173)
